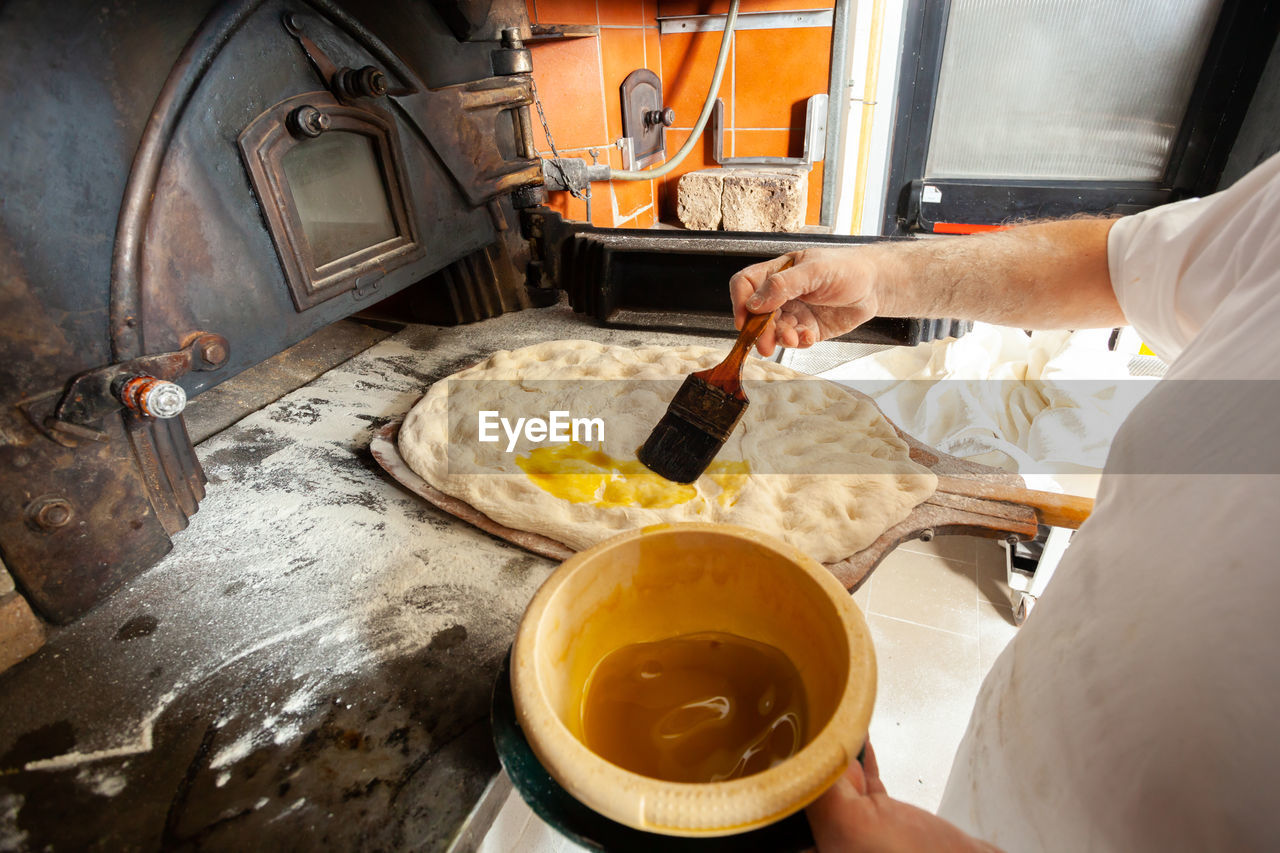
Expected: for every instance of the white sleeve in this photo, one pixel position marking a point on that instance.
(1172, 266)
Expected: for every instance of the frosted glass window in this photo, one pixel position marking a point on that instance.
(341, 199)
(1065, 89)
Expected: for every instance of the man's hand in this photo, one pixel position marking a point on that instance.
(856, 815)
(826, 293)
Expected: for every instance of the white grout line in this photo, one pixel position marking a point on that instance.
(871, 612)
(906, 546)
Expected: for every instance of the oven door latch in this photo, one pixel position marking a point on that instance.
(144, 385)
(346, 83)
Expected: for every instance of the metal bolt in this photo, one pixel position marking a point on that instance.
(307, 121)
(665, 117)
(213, 352)
(157, 398)
(926, 535)
(1012, 539)
(511, 38)
(164, 400)
(367, 82)
(49, 513)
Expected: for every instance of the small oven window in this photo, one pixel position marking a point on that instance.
(333, 195)
(340, 195)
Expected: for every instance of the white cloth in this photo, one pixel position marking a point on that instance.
(1046, 405)
(1139, 707)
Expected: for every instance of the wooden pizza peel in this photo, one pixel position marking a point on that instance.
(972, 499)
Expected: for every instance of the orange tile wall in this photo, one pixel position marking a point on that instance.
(578, 82)
(771, 73)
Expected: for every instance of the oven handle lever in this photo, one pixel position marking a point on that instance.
(92, 395)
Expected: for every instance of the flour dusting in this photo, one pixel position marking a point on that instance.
(104, 783)
(238, 749)
(11, 838)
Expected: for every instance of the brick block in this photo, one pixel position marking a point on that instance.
(21, 633)
(698, 199)
(764, 199)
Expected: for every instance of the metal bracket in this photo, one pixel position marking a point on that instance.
(456, 122)
(345, 83)
(90, 395)
(572, 173)
(815, 138)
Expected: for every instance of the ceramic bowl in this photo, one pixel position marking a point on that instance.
(665, 581)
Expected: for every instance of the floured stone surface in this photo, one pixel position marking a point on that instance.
(311, 665)
(698, 196)
(764, 199)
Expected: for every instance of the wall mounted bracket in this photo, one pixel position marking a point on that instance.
(815, 138)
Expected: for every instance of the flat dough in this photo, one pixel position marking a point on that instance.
(828, 472)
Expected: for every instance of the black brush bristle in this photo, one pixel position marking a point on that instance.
(679, 450)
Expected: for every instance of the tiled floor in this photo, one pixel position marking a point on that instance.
(939, 615)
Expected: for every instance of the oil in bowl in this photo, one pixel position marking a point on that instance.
(705, 707)
(693, 679)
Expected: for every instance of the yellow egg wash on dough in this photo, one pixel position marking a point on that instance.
(580, 474)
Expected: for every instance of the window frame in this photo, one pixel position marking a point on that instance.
(916, 202)
(263, 146)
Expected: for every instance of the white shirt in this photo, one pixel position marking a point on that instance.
(1139, 707)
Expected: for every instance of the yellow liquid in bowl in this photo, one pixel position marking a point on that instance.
(704, 707)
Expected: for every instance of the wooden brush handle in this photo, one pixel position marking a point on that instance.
(1052, 508)
(727, 375)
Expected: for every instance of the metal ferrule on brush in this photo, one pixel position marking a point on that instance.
(698, 422)
(707, 407)
(703, 412)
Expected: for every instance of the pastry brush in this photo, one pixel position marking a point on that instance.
(703, 413)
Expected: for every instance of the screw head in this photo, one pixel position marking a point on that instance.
(165, 400)
(307, 121)
(49, 513)
(214, 353)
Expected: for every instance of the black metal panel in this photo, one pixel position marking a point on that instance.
(930, 202)
(1233, 64)
(678, 280)
(924, 28)
(1258, 139)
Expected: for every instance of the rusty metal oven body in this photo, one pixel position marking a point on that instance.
(148, 229)
(192, 188)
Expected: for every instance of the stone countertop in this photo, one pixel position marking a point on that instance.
(311, 666)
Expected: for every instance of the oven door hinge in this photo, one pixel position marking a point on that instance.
(144, 385)
(457, 122)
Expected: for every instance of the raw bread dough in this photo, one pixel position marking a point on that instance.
(828, 474)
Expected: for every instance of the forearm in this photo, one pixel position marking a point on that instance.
(1051, 275)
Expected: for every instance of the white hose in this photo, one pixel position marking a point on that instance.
(721, 61)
